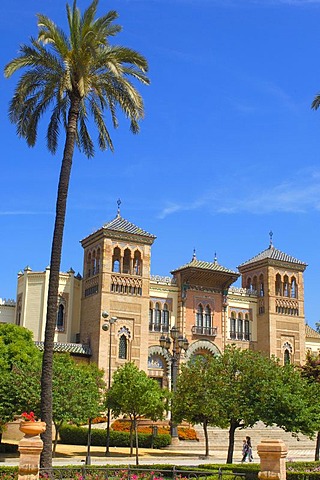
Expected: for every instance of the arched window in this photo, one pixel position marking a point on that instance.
(89, 265)
(94, 263)
(123, 347)
(293, 288)
(165, 318)
(286, 286)
(98, 261)
(116, 257)
(60, 316)
(137, 263)
(199, 316)
(240, 327)
(248, 284)
(157, 318)
(151, 317)
(246, 327)
(286, 357)
(254, 283)
(126, 261)
(233, 323)
(278, 284)
(207, 317)
(261, 286)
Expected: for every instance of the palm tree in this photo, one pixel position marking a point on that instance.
(75, 77)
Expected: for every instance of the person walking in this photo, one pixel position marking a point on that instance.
(247, 450)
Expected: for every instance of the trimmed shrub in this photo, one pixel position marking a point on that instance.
(73, 435)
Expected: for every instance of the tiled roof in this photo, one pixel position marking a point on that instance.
(77, 348)
(310, 332)
(119, 224)
(214, 266)
(273, 253)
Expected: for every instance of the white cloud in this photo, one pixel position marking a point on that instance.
(300, 194)
(22, 212)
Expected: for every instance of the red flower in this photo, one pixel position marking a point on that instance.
(28, 417)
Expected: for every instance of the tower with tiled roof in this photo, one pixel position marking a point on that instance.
(116, 279)
(278, 280)
(202, 301)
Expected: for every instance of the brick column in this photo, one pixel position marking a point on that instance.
(272, 455)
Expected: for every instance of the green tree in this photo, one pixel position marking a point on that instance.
(16, 347)
(77, 390)
(75, 77)
(136, 395)
(194, 400)
(242, 387)
(311, 372)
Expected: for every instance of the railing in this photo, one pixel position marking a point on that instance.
(159, 327)
(119, 473)
(205, 331)
(240, 336)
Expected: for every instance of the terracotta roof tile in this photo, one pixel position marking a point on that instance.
(214, 266)
(310, 332)
(77, 348)
(273, 253)
(119, 224)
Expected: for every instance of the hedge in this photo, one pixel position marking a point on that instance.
(73, 435)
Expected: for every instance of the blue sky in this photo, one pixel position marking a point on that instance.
(228, 149)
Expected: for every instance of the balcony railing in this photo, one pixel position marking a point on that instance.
(159, 327)
(240, 336)
(205, 331)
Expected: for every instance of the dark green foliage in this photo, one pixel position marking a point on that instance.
(8, 448)
(73, 435)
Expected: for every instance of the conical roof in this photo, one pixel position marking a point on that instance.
(206, 274)
(120, 224)
(272, 253)
(213, 266)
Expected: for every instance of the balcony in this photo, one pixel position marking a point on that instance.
(158, 327)
(246, 336)
(204, 331)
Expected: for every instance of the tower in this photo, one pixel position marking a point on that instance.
(278, 280)
(116, 279)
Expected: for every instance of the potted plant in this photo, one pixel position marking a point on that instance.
(30, 426)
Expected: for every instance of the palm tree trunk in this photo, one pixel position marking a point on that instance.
(56, 249)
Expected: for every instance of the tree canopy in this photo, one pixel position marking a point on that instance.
(240, 388)
(136, 395)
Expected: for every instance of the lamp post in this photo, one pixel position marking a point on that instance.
(179, 343)
(105, 327)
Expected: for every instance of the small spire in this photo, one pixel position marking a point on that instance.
(118, 209)
(215, 257)
(194, 257)
(271, 242)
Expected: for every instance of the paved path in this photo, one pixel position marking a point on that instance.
(76, 455)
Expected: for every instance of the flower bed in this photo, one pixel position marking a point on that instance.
(185, 433)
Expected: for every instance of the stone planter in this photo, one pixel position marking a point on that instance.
(32, 428)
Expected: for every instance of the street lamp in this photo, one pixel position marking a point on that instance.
(179, 343)
(105, 327)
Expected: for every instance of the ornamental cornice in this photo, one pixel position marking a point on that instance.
(197, 288)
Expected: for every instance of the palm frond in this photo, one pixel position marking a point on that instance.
(82, 66)
(316, 102)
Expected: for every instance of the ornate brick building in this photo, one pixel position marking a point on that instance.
(266, 314)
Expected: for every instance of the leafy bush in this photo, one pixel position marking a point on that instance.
(8, 448)
(73, 435)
